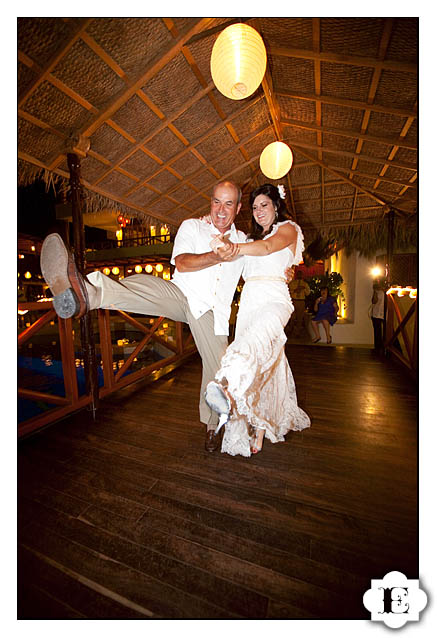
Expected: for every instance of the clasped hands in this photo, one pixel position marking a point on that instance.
(224, 248)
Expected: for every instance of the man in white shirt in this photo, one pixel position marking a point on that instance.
(377, 316)
(199, 294)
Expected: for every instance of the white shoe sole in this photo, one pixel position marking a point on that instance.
(219, 402)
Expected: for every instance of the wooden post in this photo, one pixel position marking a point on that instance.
(390, 244)
(388, 268)
(86, 332)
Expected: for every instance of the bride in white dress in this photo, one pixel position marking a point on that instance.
(254, 391)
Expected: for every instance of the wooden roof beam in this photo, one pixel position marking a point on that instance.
(376, 76)
(274, 110)
(317, 80)
(187, 180)
(354, 104)
(391, 141)
(368, 158)
(212, 98)
(108, 195)
(134, 85)
(394, 150)
(398, 182)
(153, 68)
(235, 170)
(338, 58)
(357, 222)
(342, 177)
(43, 73)
(164, 123)
(201, 139)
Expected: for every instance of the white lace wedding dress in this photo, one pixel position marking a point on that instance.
(254, 368)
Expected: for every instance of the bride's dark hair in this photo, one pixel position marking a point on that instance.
(257, 231)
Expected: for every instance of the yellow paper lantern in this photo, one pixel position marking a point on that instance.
(106, 271)
(138, 269)
(238, 61)
(115, 270)
(159, 267)
(148, 268)
(276, 160)
(27, 275)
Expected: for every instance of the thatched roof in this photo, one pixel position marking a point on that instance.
(343, 95)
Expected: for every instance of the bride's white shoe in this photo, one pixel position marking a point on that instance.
(218, 401)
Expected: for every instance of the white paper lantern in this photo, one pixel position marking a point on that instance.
(276, 160)
(238, 61)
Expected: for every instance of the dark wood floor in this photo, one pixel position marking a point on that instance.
(128, 517)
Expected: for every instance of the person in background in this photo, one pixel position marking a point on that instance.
(326, 310)
(377, 315)
(299, 289)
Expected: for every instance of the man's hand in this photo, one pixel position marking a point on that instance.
(224, 249)
(227, 251)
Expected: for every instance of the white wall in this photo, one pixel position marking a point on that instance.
(356, 328)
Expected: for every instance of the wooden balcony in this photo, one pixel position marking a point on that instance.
(128, 517)
(175, 341)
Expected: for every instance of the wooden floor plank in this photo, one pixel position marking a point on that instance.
(84, 599)
(128, 517)
(154, 597)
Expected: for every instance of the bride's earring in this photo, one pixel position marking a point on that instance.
(276, 213)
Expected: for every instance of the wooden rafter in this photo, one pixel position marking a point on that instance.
(164, 123)
(376, 76)
(200, 140)
(337, 58)
(379, 139)
(354, 206)
(354, 104)
(153, 68)
(188, 179)
(342, 177)
(367, 174)
(317, 81)
(45, 73)
(369, 158)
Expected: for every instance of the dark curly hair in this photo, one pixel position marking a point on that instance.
(257, 231)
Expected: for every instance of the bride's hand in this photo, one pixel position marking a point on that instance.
(206, 218)
(228, 251)
(217, 243)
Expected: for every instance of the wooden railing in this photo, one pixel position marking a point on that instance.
(401, 329)
(127, 241)
(114, 377)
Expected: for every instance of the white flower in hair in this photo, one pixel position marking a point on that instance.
(281, 190)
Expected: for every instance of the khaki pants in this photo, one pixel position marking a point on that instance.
(297, 316)
(149, 295)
